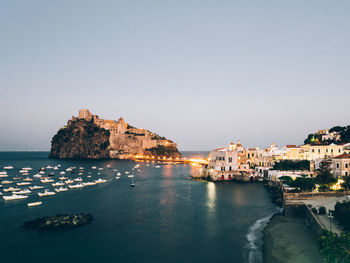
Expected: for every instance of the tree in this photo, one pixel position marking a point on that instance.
(324, 176)
(335, 248)
(346, 184)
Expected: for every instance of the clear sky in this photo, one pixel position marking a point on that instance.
(202, 73)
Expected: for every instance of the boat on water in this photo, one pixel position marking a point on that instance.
(49, 167)
(62, 172)
(17, 178)
(14, 197)
(34, 204)
(35, 187)
(79, 179)
(42, 172)
(27, 168)
(127, 172)
(88, 183)
(27, 179)
(47, 180)
(22, 192)
(57, 184)
(8, 167)
(93, 167)
(46, 193)
(119, 174)
(11, 189)
(115, 170)
(37, 175)
(80, 173)
(23, 183)
(70, 181)
(117, 177)
(6, 182)
(61, 189)
(3, 174)
(100, 169)
(62, 178)
(55, 168)
(76, 186)
(100, 180)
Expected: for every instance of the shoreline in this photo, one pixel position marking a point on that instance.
(287, 238)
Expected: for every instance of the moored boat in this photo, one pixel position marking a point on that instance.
(34, 204)
(14, 197)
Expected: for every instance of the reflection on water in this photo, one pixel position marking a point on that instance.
(211, 192)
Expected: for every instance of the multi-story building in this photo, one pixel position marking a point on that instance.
(341, 165)
(85, 114)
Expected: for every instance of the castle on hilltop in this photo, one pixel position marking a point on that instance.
(124, 139)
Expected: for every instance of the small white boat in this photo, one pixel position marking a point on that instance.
(117, 177)
(46, 193)
(61, 189)
(70, 181)
(8, 167)
(17, 178)
(37, 175)
(49, 167)
(34, 204)
(11, 189)
(132, 181)
(14, 197)
(6, 182)
(42, 172)
(100, 180)
(68, 169)
(79, 179)
(3, 174)
(27, 179)
(63, 172)
(115, 170)
(80, 174)
(89, 176)
(62, 178)
(23, 171)
(27, 168)
(119, 174)
(23, 183)
(35, 187)
(76, 186)
(55, 168)
(88, 183)
(127, 172)
(47, 180)
(22, 192)
(100, 169)
(157, 166)
(57, 184)
(93, 167)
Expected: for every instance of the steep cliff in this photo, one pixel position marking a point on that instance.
(80, 139)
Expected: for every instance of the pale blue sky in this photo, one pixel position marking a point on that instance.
(202, 73)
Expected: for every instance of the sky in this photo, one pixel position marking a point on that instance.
(202, 73)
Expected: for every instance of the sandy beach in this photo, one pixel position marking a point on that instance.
(288, 239)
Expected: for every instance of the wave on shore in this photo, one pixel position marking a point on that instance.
(254, 237)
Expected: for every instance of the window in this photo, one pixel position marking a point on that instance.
(331, 150)
(230, 168)
(346, 173)
(319, 150)
(248, 155)
(230, 159)
(338, 165)
(346, 165)
(339, 150)
(327, 150)
(313, 150)
(252, 154)
(222, 168)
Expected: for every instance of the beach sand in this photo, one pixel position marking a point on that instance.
(288, 239)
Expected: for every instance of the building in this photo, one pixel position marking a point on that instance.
(341, 165)
(85, 114)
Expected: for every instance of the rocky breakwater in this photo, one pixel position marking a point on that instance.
(275, 191)
(59, 222)
(80, 139)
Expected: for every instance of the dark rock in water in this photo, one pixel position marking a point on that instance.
(59, 222)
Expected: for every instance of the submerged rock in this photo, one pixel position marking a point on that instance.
(59, 221)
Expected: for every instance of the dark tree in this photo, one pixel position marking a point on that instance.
(324, 176)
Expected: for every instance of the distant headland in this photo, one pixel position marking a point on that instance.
(90, 137)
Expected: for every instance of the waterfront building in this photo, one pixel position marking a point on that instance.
(341, 165)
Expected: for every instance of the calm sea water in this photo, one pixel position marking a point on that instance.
(165, 218)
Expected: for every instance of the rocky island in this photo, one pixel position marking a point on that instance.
(90, 137)
(59, 222)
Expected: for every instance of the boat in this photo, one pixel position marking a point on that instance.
(23, 171)
(79, 179)
(11, 189)
(46, 193)
(34, 204)
(37, 175)
(23, 183)
(93, 167)
(17, 178)
(6, 182)
(88, 183)
(115, 170)
(8, 167)
(63, 172)
(99, 181)
(24, 191)
(62, 178)
(42, 172)
(46, 180)
(117, 177)
(157, 166)
(51, 174)
(127, 172)
(61, 189)
(70, 181)
(55, 168)
(119, 174)
(35, 187)
(3, 174)
(68, 169)
(49, 167)
(76, 185)
(27, 168)
(14, 197)
(100, 169)
(27, 179)
(58, 184)
(80, 174)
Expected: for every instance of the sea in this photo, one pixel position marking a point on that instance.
(166, 217)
